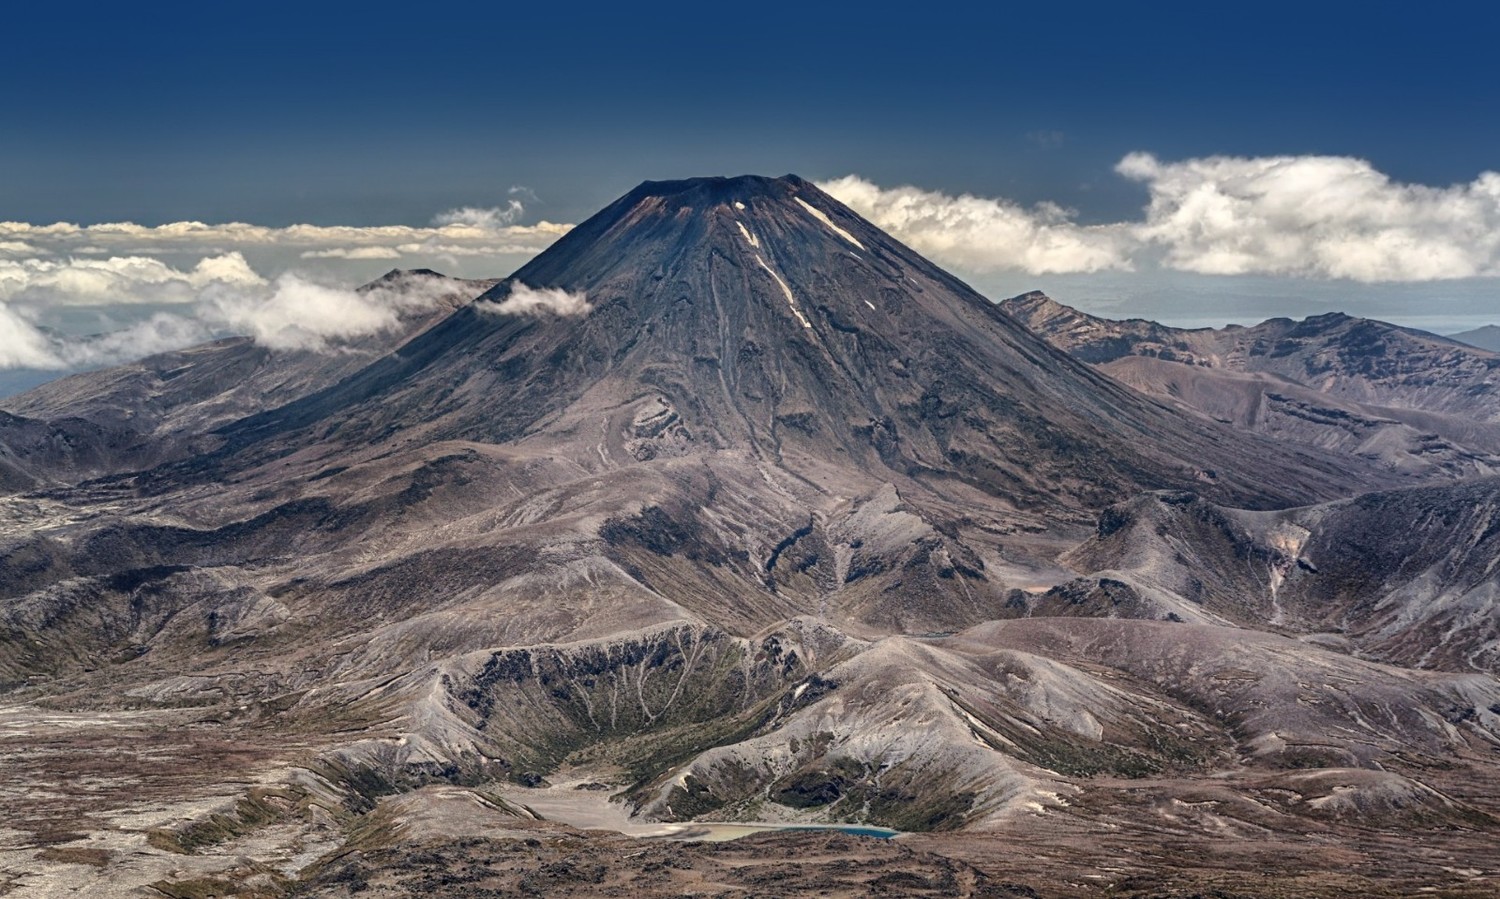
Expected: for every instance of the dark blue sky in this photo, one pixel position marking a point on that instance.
(362, 114)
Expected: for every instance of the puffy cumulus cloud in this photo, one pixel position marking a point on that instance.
(117, 279)
(982, 234)
(524, 300)
(1301, 216)
(490, 218)
(1319, 216)
(297, 314)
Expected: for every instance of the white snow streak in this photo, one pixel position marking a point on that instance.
(823, 217)
(754, 241)
(790, 300)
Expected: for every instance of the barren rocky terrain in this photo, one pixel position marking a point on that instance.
(1400, 398)
(765, 522)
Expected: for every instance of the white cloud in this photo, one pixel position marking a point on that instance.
(1319, 216)
(160, 333)
(297, 314)
(23, 345)
(117, 279)
(231, 278)
(1301, 216)
(452, 250)
(290, 312)
(478, 235)
(294, 313)
(981, 234)
(354, 253)
(524, 300)
(490, 219)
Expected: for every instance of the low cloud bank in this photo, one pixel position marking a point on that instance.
(290, 312)
(200, 278)
(464, 232)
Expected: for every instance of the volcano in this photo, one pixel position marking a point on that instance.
(761, 315)
(728, 507)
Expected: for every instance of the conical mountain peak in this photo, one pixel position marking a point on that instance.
(763, 315)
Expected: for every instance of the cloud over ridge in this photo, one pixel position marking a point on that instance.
(205, 286)
(982, 234)
(1306, 216)
(525, 300)
(291, 312)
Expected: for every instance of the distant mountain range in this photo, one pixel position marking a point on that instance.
(731, 509)
(1399, 397)
(1486, 338)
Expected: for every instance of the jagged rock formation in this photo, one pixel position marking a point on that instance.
(726, 507)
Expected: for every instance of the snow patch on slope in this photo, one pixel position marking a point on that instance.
(790, 300)
(750, 238)
(821, 216)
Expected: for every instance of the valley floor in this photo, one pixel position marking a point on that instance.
(186, 804)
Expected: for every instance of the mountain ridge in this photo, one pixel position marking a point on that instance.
(149, 412)
(1485, 338)
(1404, 398)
